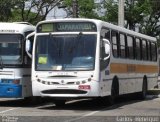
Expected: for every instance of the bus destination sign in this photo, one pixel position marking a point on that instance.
(67, 27)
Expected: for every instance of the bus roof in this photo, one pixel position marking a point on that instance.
(100, 24)
(15, 27)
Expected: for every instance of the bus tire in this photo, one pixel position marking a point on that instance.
(143, 93)
(59, 103)
(114, 91)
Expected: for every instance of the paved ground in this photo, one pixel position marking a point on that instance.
(126, 109)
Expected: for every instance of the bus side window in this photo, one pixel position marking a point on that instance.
(122, 39)
(154, 51)
(115, 43)
(149, 50)
(144, 50)
(105, 33)
(138, 49)
(130, 49)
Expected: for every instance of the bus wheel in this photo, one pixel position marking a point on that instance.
(114, 92)
(143, 94)
(59, 102)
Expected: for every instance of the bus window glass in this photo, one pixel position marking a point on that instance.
(10, 48)
(122, 46)
(115, 43)
(149, 50)
(65, 52)
(138, 49)
(130, 47)
(105, 33)
(144, 50)
(153, 52)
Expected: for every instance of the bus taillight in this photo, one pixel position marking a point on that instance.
(16, 81)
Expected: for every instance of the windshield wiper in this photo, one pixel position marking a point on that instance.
(71, 49)
(1, 62)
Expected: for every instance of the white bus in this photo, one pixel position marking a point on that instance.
(15, 65)
(88, 58)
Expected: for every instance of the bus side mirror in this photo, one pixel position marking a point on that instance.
(29, 44)
(28, 48)
(107, 48)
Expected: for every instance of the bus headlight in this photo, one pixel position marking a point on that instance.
(38, 80)
(89, 79)
(78, 82)
(83, 81)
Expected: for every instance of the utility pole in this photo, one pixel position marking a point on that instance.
(75, 8)
(121, 13)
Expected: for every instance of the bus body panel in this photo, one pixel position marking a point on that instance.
(22, 89)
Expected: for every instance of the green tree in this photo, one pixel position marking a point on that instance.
(86, 8)
(6, 9)
(111, 13)
(135, 11)
(151, 23)
(31, 11)
(144, 13)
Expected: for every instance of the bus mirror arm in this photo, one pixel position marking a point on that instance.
(107, 48)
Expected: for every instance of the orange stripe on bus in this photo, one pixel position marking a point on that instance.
(132, 68)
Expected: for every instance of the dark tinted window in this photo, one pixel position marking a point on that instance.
(122, 46)
(130, 43)
(137, 49)
(144, 50)
(115, 43)
(153, 52)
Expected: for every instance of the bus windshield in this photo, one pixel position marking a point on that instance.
(65, 52)
(10, 48)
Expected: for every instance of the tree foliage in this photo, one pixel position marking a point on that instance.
(26, 10)
(5, 9)
(142, 14)
(111, 13)
(86, 8)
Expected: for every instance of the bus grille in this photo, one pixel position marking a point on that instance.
(64, 91)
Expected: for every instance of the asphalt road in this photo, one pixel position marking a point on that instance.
(126, 109)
